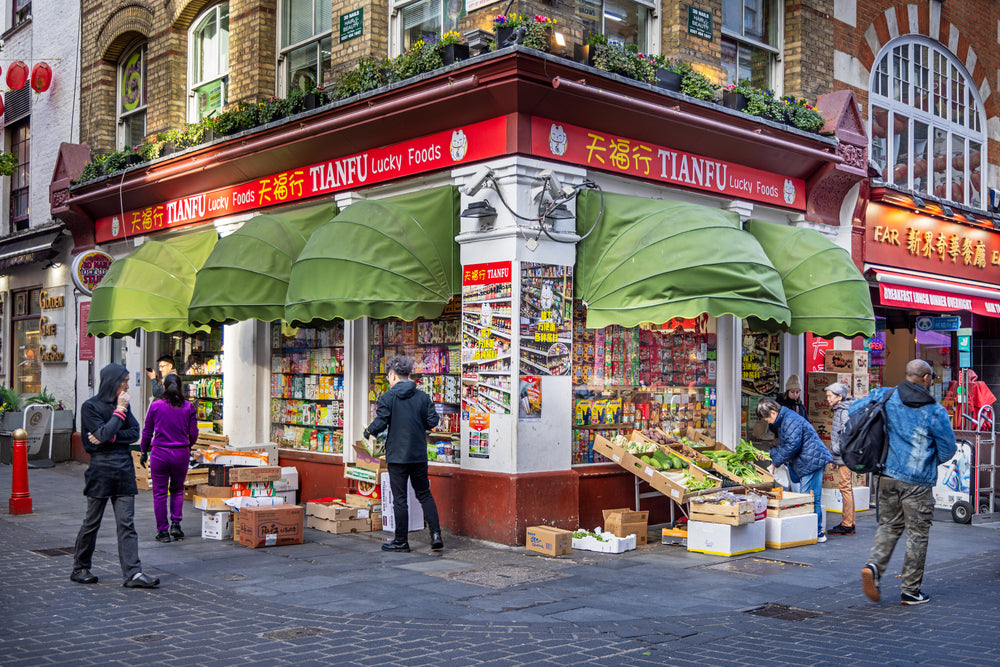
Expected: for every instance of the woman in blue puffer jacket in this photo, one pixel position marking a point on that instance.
(800, 447)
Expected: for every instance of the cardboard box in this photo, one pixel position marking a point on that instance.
(790, 531)
(732, 514)
(217, 525)
(363, 474)
(289, 480)
(369, 502)
(210, 491)
(331, 510)
(845, 361)
(271, 526)
(607, 543)
(363, 459)
(722, 540)
(548, 540)
(860, 384)
(341, 526)
(816, 383)
(790, 504)
(415, 513)
(625, 522)
(669, 483)
(210, 504)
(268, 449)
(257, 474)
(219, 474)
(833, 500)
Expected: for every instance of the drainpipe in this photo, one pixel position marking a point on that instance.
(693, 120)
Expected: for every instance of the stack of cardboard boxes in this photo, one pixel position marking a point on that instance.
(851, 368)
(354, 514)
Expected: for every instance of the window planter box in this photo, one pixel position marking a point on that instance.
(452, 53)
(734, 100)
(667, 79)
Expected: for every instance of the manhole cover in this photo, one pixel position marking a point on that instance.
(756, 566)
(145, 639)
(503, 576)
(293, 633)
(784, 612)
(59, 551)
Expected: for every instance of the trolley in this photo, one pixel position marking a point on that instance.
(966, 483)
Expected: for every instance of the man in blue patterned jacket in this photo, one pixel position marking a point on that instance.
(920, 439)
(800, 447)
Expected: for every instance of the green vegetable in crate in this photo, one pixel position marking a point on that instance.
(692, 484)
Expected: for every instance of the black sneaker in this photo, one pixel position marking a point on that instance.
(164, 536)
(176, 532)
(917, 598)
(841, 530)
(869, 582)
(397, 547)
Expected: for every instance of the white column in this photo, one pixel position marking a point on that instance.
(241, 375)
(729, 372)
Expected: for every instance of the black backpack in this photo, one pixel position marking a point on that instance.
(864, 444)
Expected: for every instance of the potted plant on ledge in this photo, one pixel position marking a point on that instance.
(453, 47)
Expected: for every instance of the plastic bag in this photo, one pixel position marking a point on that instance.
(781, 476)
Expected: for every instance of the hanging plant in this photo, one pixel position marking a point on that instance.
(8, 163)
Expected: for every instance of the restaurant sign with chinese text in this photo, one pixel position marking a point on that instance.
(632, 157)
(902, 238)
(442, 150)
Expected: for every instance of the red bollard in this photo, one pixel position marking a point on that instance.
(20, 498)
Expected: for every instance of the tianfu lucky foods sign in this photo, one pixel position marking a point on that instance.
(632, 157)
(442, 150)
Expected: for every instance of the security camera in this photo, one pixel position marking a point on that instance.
(554, 185)
(483, 177)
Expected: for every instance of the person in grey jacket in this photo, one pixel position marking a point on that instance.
(920, 439)
(408, 413)
(800, 447)
(838, 395)
(108, 428)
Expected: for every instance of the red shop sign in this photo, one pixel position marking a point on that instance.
(486, 274)
(442, 150)
(901, 238)
(622, 155)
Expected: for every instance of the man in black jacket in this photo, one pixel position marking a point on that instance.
(107, 428)
(408, 413)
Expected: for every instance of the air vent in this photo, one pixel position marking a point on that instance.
(17, 105)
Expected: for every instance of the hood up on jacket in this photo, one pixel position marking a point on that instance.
(914, 395)
(112, 376)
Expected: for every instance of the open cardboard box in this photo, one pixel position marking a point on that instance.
(669, 483)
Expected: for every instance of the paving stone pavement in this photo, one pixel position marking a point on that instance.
(338, 599)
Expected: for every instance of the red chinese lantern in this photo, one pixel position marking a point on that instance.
(41, 77)
(17, 75)
(1, 105)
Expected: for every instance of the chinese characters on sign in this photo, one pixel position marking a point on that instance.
(896, 237)
(486, 338)
(616, 154)
(437, 151)
(546, 319)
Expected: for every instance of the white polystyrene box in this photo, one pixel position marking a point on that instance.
(790, 531)
(724, 540)
(833, 500)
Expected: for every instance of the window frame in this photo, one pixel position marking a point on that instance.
(21, 147)
(32, 313)
(122, 115)
(316, 39)
(20, 14)
(194, 84)
(774, 74)
(911, 93)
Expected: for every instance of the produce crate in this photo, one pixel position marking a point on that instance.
(731, 514)
(790, 504)
(671, 484)
(686, 452)
(625, 522)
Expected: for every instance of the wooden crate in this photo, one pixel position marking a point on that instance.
(732, 514)
(669, 483)
(790, 504)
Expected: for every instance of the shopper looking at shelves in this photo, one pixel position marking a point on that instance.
(792, 398)
(165, 366)
(108, 428)
(408, 413)
(800, 447)
(170, 429)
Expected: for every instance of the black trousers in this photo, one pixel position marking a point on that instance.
(128, 541)
(416, 473)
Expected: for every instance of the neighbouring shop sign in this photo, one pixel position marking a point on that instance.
(700, 23)
(927, 323)
(623, 155)
(473, 5)
(352, 24)
(52, 324)
(902, 238)
(85, 351)
(486, 338)
(89, 268)
(921, 298)
(442, 150)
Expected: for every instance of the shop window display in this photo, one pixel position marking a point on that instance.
(487, 314)
(760, 378)
(307, 388)
(198, 360)
(435, 347)
(649, 376)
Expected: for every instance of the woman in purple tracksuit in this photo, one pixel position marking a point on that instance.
(171, 428)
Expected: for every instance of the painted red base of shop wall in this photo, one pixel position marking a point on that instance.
(499, 507)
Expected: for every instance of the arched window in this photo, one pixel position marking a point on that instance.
(132, 97)
(208, 62)
(926, 122)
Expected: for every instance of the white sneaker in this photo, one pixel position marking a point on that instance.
(821, 537)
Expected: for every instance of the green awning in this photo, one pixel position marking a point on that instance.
(246, 276)
(823, 288)
(151, 288)
(394, 257)
(649, 260)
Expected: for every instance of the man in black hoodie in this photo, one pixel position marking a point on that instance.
(409, 414)
(107, 428)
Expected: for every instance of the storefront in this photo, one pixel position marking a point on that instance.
(934, 275)
(553, 274)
